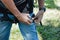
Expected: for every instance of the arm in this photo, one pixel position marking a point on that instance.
(12, 7)
(41, 11)
(41, 3)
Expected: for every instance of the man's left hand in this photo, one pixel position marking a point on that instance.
(39, 16)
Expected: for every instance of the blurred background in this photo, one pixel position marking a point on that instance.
(50, 30)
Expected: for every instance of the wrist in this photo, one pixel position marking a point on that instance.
(16, 12)
(43, 8)
(18, 15)
(41, 12)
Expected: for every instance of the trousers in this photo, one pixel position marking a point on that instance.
(28, 31)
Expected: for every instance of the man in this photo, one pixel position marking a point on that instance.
(26, 25)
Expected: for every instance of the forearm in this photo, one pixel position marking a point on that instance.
(41, 3)
(10, 5)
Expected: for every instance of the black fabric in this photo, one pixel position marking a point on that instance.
(2, 7)
(20, 5)
(30, 5)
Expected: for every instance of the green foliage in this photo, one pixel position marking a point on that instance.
(35, 3)
(49, 32)
(48, 3)
(51, 4)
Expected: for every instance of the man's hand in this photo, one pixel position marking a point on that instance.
(39, 16)
(24, 18)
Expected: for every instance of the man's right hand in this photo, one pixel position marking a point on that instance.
(23, 17)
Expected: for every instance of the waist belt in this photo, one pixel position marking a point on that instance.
(7, 18)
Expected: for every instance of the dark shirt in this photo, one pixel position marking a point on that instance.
(18, 2)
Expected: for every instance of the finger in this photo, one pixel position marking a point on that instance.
(36, 21)
(30, 21)
(27, 14)
(36, 18)
(33, 19)
(26, 22)
(29, 17)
